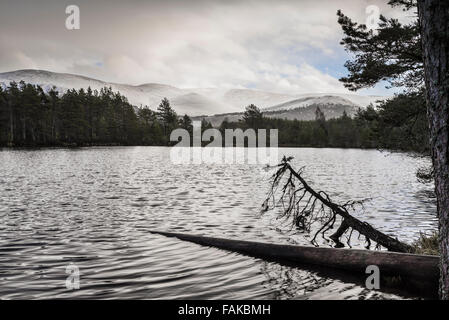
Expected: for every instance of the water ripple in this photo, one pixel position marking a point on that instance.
(94, 208)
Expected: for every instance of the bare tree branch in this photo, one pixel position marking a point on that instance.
(305, 206)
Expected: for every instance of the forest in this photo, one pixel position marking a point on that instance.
(396, 124)
(33, 117)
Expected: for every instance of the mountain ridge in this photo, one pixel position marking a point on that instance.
(192, 101)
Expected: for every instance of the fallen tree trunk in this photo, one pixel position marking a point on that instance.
(420, 271)
(319, 207)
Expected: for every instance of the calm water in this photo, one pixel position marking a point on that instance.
(94, 207)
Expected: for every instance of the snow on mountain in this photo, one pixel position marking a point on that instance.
(262, 99)
(327, 100)
(195, 102)
(149, 94)
(306, 101)
(301, 108)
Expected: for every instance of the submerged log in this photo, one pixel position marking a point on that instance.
(419, 272)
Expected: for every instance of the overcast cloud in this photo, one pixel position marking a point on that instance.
(281, 46)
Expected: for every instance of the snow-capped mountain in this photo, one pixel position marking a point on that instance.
(195, 101)
(306, 101)
(149, 94)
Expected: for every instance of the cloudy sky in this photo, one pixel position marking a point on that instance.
(275, 45)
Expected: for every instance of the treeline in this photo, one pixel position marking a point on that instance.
(29, 116)
(399, 123)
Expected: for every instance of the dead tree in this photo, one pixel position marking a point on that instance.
(306, 206)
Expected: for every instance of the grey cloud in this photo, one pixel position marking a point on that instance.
(270, 45)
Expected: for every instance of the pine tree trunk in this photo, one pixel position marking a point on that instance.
(11, 124)
(434, 23)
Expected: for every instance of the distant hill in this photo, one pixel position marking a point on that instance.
(211, 103)
(304, 108)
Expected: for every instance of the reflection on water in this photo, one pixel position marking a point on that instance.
(95, 206)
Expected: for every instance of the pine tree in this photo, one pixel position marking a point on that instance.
(186, 123)
(319, 115)
(168, 117)
(4, 117)
(392, 52)
(253, 116)
(54, 110)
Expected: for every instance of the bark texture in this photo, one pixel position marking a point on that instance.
(434, 24)
(419, 272)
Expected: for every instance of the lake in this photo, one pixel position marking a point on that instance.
(94, 208)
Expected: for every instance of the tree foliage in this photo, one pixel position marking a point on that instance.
(397, 124)
(252, 116)
(31, 117)
(391, 53)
